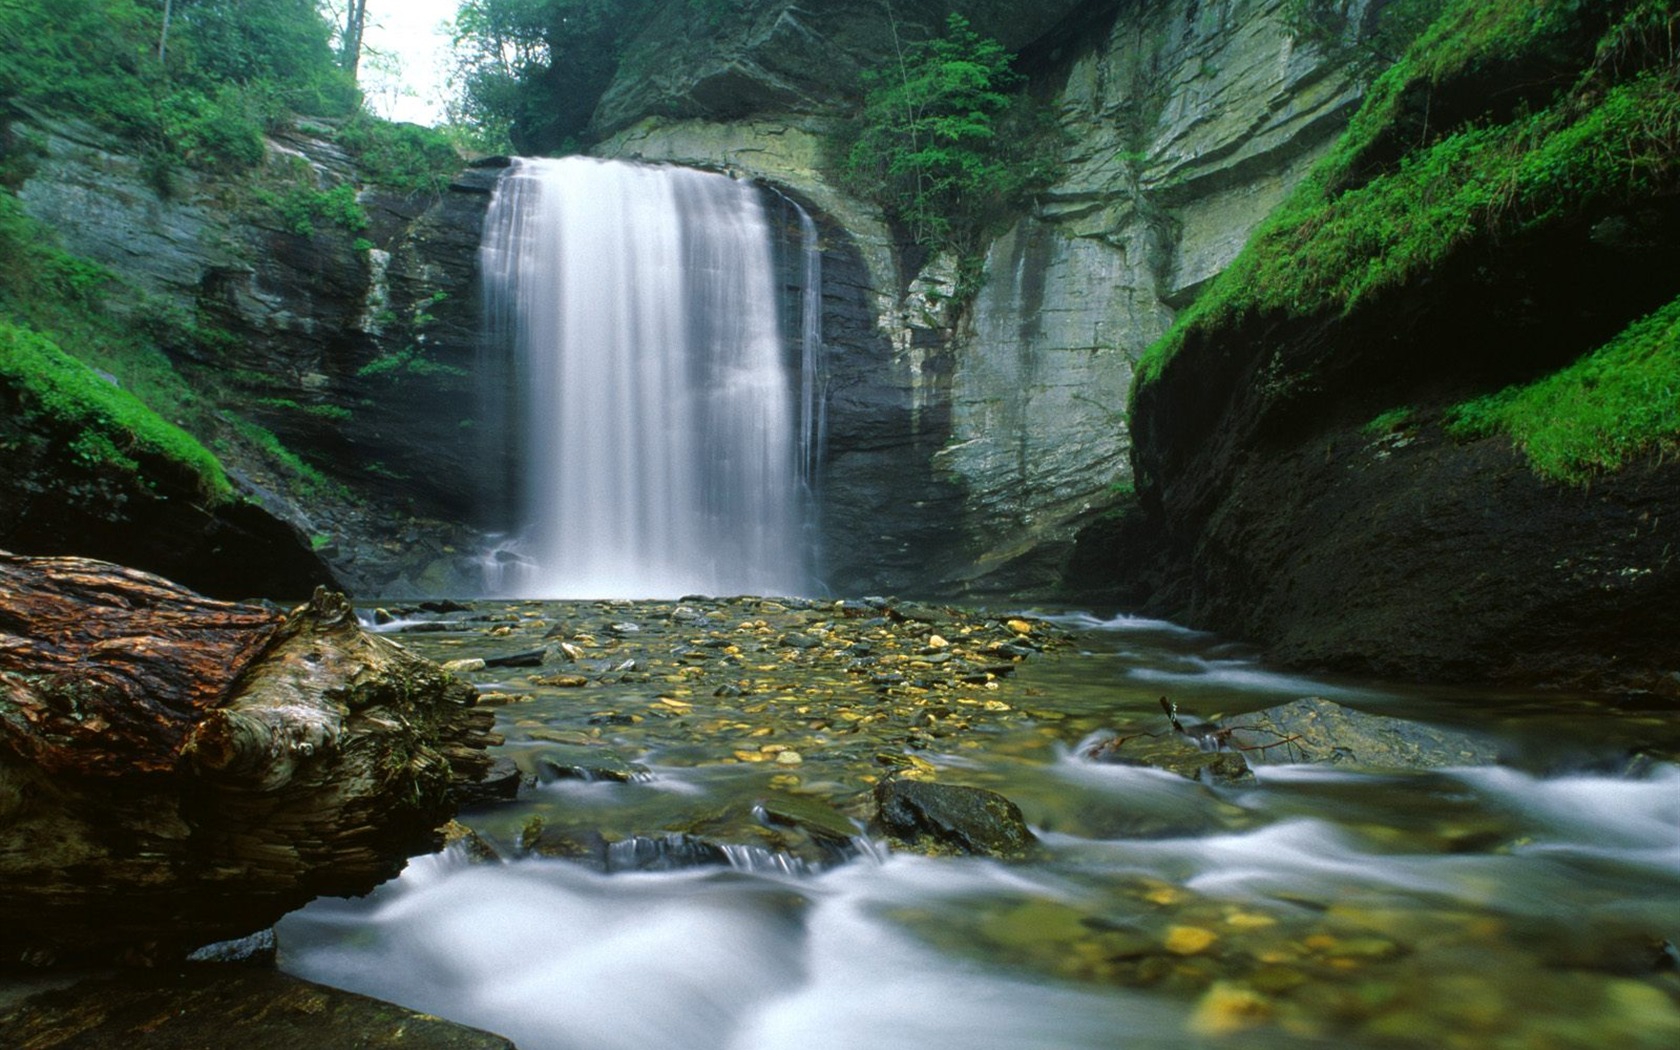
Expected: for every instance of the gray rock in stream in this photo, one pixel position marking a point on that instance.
(945, 818)
(1312, 731)
(1323, 732)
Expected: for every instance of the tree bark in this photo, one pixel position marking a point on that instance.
(355, 19)
(176, 770)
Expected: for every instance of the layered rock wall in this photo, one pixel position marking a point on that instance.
(972, 441)
(354, 347)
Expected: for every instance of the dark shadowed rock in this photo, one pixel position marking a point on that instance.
(776, 55)
(216, 1006)
(947, 818)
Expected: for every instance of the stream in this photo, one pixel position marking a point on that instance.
(1521, 904)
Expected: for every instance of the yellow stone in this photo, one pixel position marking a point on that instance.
(1228, 1008)
(1189, 940)
(789, 758)
(1019, 626)
(1248, 920)
(997, 705)
(675, 704)
(936, 642)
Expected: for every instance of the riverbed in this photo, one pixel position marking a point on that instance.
(643, 889)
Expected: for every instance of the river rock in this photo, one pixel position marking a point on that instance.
(1172, 753)
(1312, 731)
(947, 818)
(580, 763)
(1324, 732)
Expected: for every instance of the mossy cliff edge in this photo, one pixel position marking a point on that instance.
(1424, 425)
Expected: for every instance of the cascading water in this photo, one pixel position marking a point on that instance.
(662, 442)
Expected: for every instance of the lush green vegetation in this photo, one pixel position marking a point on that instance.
(298, 469)
(945, 141)
(404, 157)
(81, 348)
(1358, 226)
(302, 206)
(1616, 403)
(203, 95)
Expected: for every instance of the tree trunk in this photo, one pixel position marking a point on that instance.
(176, 770)
(163, 36)
(355, 18)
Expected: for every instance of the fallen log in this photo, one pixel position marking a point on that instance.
(176, 771)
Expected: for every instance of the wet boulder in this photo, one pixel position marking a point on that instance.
(947, 819)
(1323, 732)
(1311, 731)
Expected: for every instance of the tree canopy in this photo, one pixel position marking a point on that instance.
(532, 70)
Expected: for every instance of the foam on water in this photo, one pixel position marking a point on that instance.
(554, 956)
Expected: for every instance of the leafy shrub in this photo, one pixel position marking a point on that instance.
(301, 206)
(944, 142)
(403, 157)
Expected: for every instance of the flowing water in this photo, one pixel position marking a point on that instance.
(657, 412)
(1523, 904)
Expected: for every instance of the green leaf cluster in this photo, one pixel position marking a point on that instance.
(230, 69)
(945, 141)
(1360, 225)
(1614, 404)
(301, 206)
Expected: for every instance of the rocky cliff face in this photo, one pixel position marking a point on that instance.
(972, 442)
(1306, 461)
(353, 347)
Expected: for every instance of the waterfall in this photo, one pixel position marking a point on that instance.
(662, 444)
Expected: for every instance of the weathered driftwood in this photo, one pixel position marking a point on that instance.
(176, 770)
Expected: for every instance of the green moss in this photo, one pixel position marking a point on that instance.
(115, 426)
(333, 413)
(1617, 403)
(1349, 234)
(61, 300)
